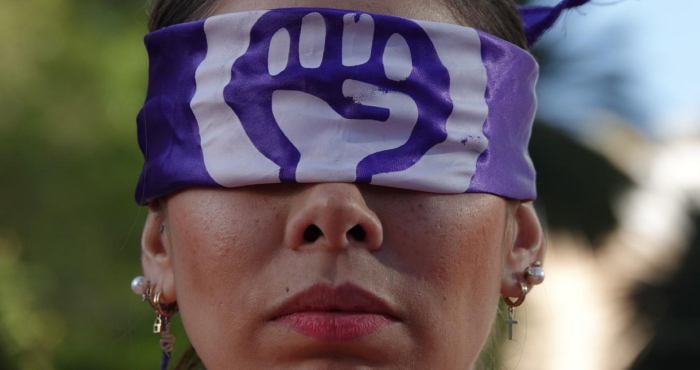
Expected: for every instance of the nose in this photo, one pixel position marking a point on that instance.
(332, 216)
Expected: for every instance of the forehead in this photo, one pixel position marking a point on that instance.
(435, 11)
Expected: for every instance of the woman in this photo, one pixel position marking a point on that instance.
(313, 264)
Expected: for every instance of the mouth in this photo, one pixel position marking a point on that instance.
(340, 313)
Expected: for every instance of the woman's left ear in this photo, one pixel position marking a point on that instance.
(529, 246)
(156, 255)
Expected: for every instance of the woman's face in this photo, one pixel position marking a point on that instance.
(238, 254)
(232, 258)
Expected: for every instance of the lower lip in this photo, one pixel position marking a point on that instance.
(335, 326)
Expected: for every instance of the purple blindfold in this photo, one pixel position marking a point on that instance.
(326, 95)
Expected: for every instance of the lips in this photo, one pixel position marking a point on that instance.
(339, 313)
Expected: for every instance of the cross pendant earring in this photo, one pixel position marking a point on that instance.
(511, 308)
(510, 322)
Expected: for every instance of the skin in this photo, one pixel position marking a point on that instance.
(230, 256)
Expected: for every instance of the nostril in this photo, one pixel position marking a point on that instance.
(312, 233)
(357, 233)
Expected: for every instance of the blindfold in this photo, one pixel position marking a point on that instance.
(325, 95)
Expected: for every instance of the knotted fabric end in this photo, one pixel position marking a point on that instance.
(537, 20)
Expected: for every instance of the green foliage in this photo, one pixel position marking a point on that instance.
(29, 330)
(73, 79)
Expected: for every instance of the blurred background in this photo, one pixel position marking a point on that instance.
(616, 146)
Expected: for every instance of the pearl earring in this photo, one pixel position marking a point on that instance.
(139, 286)
(535, 274)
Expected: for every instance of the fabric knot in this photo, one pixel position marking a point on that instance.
(539, 19)
(574, 3)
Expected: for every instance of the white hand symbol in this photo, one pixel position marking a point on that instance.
(331, 146)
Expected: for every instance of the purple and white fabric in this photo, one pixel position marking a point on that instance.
(327, 95)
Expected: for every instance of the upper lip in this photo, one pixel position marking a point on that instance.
(324, 297)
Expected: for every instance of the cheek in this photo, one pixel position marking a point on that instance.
(452, 247)
(209, 247)
(453, 257)
(220, 249)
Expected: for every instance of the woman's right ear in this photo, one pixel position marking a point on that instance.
(156, 253)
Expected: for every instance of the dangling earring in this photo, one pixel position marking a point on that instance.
(142, 286)
(511, 308)
(535, 276)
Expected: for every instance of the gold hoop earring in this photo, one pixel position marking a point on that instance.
(162, 323)
(511, 308)
(142, 286)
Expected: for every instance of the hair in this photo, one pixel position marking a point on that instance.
(497, 17)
